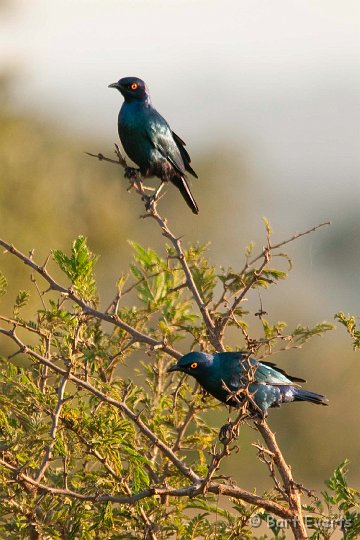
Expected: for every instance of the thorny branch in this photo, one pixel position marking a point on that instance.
(216, 333)
(290, 490)
(197, 483)
(265, 256)
(190, 491)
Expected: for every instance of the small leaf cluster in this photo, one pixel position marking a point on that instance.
(79, 267)
(160, 289)
(338, 509)
(349, 321)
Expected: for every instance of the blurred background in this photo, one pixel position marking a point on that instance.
(266, 95)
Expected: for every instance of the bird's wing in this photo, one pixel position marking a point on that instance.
(279, 370)
(184, 154)
(267, 374)
(235, 364)
(231, 367)
(167, 143)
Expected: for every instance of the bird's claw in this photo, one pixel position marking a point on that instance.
(228, 432)
(149, 201)
(131, 173)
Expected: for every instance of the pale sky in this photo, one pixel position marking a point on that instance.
(277, 81)
(204, 61)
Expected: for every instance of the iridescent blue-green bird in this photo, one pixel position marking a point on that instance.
(149, 141)
(224, 374)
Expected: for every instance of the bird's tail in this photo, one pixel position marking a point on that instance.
(292, 393)
(182, 185)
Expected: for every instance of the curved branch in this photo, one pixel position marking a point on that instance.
(176, 242)
(189, 491)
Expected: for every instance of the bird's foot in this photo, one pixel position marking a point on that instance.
(151, 200)
(131, 173)
(228, 432)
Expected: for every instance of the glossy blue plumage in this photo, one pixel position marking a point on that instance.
(149, 141)
(222, 374)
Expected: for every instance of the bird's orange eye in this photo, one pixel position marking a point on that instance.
(193, 365)
(134, 86)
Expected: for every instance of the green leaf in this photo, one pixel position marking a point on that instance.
(349, 321)
(3, 284)
(249, 249)
(20, 302)
(79, 267)
(302, 334)
(267, 226)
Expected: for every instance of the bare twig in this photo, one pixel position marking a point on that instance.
(288, 241)
(54, 427)
(228, 315)
(265, 255)
(101, 157)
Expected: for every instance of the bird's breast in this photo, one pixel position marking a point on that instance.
(133, 137)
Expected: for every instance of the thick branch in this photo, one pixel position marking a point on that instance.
(190, 491)
(291, 487)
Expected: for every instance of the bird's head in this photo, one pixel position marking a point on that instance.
(194, 363)
(132, 88)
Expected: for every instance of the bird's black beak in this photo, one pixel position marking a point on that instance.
(114, 85)
(174, 368)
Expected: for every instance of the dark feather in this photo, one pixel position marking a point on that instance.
(305, 395)
(290, 377)
(184, 189)
(184, 154)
